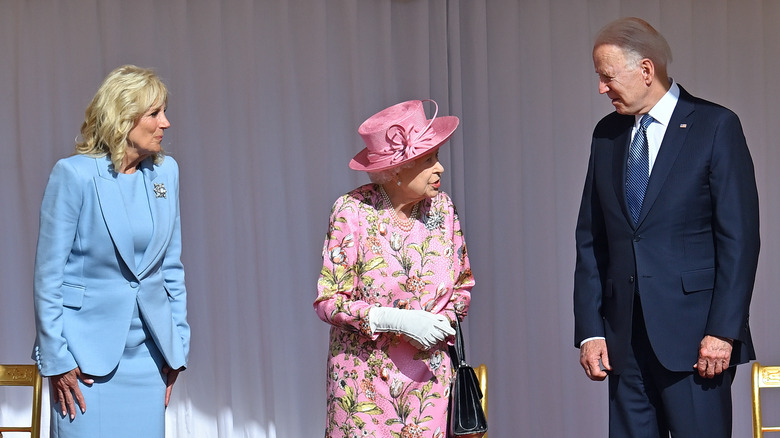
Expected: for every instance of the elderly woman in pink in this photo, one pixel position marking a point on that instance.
(395, 276)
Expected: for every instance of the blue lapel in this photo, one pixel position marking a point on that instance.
(118, 223)
(619, 158)
(114, 212)
(161, 202)
(673, 141)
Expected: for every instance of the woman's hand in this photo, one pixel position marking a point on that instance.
(171, 376)
(66, 389)
(424, 329)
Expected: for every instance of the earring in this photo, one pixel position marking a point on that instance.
(398, 183)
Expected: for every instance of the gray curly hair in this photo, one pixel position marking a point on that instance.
(385, 176)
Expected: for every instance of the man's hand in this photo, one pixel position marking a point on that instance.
(714, 356)
(66, 391)
(590, 354)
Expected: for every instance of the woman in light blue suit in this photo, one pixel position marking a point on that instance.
(110, 301)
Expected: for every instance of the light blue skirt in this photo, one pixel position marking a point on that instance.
(129, 402)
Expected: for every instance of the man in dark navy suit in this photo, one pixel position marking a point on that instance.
(667, 246)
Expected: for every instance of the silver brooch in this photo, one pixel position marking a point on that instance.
(434, 221)
(159, 190)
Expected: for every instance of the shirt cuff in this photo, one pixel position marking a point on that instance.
(590, 339)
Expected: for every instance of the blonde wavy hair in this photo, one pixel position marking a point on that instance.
(122, 99)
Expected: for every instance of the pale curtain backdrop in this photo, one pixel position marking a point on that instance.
(266, 97)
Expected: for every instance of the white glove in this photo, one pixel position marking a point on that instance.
(425, 329)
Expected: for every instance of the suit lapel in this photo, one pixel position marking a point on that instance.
(115, 215)
(619, 159)
(672, 143)
(161, 205)
(114, 212)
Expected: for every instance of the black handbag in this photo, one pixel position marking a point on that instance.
(467, 420)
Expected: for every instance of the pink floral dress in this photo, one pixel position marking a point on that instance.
(380, 385)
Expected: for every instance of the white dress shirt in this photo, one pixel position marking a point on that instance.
(661, 113)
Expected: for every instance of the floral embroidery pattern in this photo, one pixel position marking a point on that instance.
(380, 385)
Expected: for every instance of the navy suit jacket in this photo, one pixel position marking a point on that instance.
(693, 255)
(87, 283)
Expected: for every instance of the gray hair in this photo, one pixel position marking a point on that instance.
(387, 175)
(638, 39)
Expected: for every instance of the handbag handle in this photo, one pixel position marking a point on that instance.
(459, 358)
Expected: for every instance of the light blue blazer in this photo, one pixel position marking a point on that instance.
(86, 279)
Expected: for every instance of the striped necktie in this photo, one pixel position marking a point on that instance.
(638, 168)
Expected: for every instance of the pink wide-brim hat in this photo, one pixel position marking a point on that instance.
(399, 134)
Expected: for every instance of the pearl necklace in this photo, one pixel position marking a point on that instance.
(405, 225)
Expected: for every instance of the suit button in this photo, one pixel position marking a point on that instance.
(630, 278)
(637, 238)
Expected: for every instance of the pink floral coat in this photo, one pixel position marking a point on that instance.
(380, 385)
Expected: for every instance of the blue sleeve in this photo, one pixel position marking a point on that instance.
(60, 211)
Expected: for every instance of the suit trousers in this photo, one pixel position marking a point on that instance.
(646, 400)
